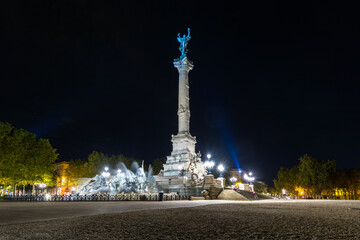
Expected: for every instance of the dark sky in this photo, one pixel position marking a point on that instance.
(271, 82)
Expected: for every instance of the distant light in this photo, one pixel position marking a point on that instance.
(247, 178)
(221, 168)
(208, 156)
(233, 179)
(73, 189)
(240, 171)
(119, 171)
(283, 191)
(47, 197)
(105, 174)
(209, 164)
(106, 168)
(250, 173)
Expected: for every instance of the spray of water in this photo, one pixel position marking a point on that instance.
(125, 180)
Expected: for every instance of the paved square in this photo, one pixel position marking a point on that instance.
(268, 219)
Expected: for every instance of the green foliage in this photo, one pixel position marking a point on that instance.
(23, 158)
(77, 169)
(97, 161)
(315, 174)
(157, 165)
(348, 181)
(261, 187)
(287, 179)
(95, 165)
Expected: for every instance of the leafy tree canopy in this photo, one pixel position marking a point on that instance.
(24, 159)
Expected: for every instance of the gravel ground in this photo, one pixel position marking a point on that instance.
(243, 220)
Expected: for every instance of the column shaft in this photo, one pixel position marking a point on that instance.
(184, 106)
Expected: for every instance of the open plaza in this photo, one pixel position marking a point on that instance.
(216, 219)
(110, 128)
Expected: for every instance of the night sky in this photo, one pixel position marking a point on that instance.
(271, 82)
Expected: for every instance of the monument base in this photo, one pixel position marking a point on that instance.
(177, 184)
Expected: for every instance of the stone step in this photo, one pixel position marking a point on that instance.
(229, 194)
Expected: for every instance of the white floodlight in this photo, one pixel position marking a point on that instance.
(221, 168)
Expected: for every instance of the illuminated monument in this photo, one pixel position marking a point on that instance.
(184, 171)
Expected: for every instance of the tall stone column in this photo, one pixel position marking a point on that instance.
(183, 66)
(183, 143)
(183, 163)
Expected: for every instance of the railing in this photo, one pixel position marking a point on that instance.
(99, 197)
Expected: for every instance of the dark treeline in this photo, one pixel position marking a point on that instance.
(315, 178)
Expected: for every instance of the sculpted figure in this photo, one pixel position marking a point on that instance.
(184, 40)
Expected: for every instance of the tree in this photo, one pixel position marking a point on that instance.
(315, 174)
(23, 158)
(157, 165)
(287, 179)
(77, 169)
(97, 161)
(261, 187)
(347, 182)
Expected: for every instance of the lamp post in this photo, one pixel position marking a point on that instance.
(248, 178)
(233, 180)
(221, 169)
(209, 164)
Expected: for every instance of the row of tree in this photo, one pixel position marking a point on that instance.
(25, 159)
(318, 179)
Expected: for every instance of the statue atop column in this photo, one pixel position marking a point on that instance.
(184, 40)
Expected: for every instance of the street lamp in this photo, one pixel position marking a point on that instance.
(105, 174)
(221, 169)
(209, 164)
(233, 180)
(248, 178)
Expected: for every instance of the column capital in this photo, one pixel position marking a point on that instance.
(183, 64)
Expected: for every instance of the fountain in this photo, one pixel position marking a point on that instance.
(123, 180)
